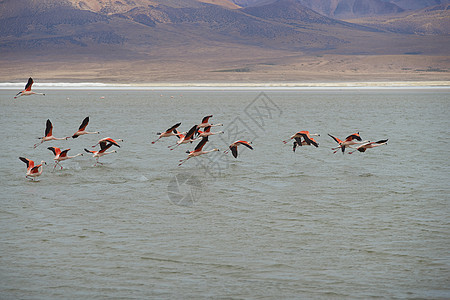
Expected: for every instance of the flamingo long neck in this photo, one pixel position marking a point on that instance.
(215, 149)
(41, 169)
(79, 154)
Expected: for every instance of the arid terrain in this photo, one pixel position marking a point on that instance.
(196, 41)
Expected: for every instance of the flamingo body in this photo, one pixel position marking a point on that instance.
(61, 155)
(48, 134)
(350, 140)
(205, 122)
(103, 147)
(32, 170)
(197, 151)
(184, 139)
(368, 145)
(169, 132)
(207, 132)
(233, 147)
(27, 91)
(108, 139)
(82, 129)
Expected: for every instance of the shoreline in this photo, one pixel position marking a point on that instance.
(232, 85)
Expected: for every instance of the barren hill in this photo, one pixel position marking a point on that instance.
(144, 40)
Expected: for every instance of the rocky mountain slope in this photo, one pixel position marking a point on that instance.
(176, 37)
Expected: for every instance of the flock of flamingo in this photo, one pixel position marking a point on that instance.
(195, 133)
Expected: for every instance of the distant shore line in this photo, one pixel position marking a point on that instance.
(232, 85)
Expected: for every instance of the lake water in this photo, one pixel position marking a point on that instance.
(270, 224)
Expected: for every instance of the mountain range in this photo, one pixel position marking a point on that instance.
(170, 40)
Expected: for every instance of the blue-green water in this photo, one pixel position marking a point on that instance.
(270, 224)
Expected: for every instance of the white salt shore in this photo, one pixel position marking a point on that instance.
(231, 85)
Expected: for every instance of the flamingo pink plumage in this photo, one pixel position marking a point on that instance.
(82, 129)
(108, 139)
(169, 132)
(197, 151)
(368, 145)
(48, 134)
(27, 91)
(207, 132)
(352, 139)
(61, 155)
(205, 122)
(97, 154)
(184, 139)
(233, 147)
(32, 170)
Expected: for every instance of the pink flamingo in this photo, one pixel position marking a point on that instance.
(184, 139)
(207, 132)
(368, 145)
(27, 91)
(82, 129)
(307, 139)
(349, 141)
(169, 132)
(205, 123)
(97, 154)
(61, 155)
(306, 136)
(32, 170)
(108, 139)
(233, 147)
(48, 134)
(198, 151)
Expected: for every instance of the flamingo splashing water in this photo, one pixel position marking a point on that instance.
(32, 170)
(97, 154)
(61, 155)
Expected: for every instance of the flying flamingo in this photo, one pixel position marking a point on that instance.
(198, 151)
(184, 139)
(61, 155)
(349, 141)
(307, 139)
(108, 139)
(207, 132)
(27, 91)
(97, 154)
(169, 132)
(32, 170)
(306, 136)
(82, 129)
(48, 134)
(233, 147)
(365, 146)
(205, 123)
